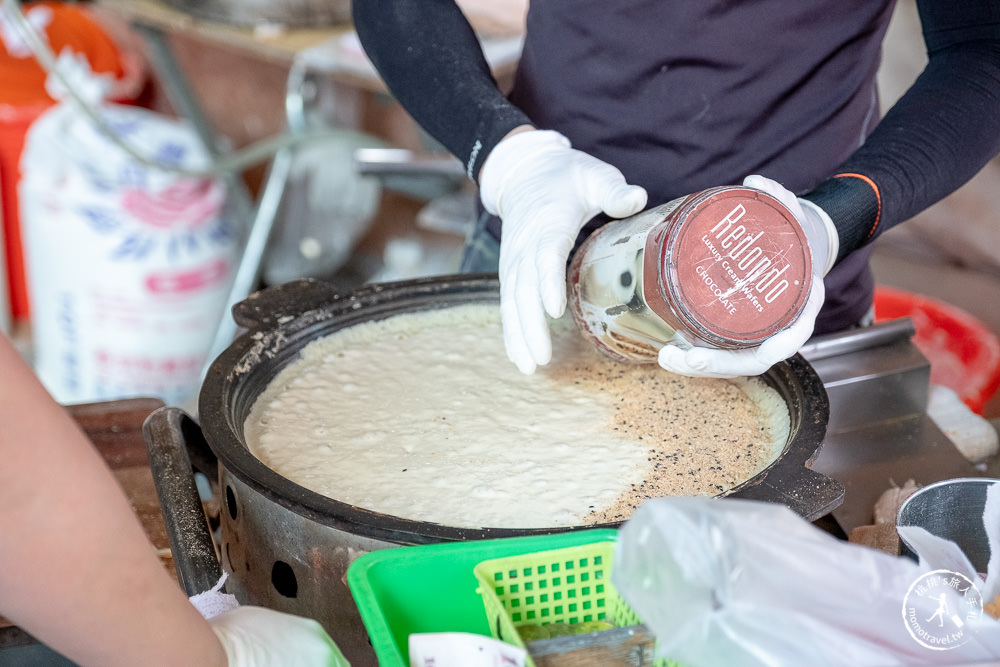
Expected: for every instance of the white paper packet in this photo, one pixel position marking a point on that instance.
(462, 649)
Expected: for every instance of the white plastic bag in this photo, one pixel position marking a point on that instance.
(738, 582)
(128, 265)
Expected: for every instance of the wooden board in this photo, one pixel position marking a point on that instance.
(279, 46)
(344, 60)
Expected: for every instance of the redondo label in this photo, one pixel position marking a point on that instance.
(734, 265)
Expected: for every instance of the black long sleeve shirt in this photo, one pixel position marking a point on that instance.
(684, 96)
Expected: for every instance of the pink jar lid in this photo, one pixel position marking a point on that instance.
(732, 267)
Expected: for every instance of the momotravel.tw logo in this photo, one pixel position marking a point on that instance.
(938, 608)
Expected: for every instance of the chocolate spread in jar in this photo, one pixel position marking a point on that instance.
(726, 267)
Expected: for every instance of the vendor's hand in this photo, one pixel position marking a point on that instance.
(260, 637)
(823, 245)
(544, 192)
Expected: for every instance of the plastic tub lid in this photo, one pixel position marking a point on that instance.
(964, 354)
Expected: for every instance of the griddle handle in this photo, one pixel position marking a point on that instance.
(173, 440)
(278, 303)
(806, 492)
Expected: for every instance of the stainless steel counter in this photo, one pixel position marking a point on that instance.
(879, 433)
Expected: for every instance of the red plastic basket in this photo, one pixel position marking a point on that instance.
(964, 354)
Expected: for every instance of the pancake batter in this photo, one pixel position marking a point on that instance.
(383, 416)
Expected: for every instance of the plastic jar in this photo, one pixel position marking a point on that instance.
(726, 267)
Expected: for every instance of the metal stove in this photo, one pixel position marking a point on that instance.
(878, 434)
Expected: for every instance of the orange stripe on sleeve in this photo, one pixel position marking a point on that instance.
(878, 197)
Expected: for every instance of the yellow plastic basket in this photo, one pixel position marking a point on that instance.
(568, 585)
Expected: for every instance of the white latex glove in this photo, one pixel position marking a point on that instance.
(544, 192)
(824, 243)
(260, 637)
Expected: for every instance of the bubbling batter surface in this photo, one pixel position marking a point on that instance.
(422, 416)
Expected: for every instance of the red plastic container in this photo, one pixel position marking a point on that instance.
(964, 354)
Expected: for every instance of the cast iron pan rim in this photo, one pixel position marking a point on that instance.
(225, 399)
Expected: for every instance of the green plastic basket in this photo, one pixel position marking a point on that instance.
(433, 588)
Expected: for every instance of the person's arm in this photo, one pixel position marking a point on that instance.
(431, 61)
(77, 571)
(939, 134)
(943, 130)
(543, 190)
